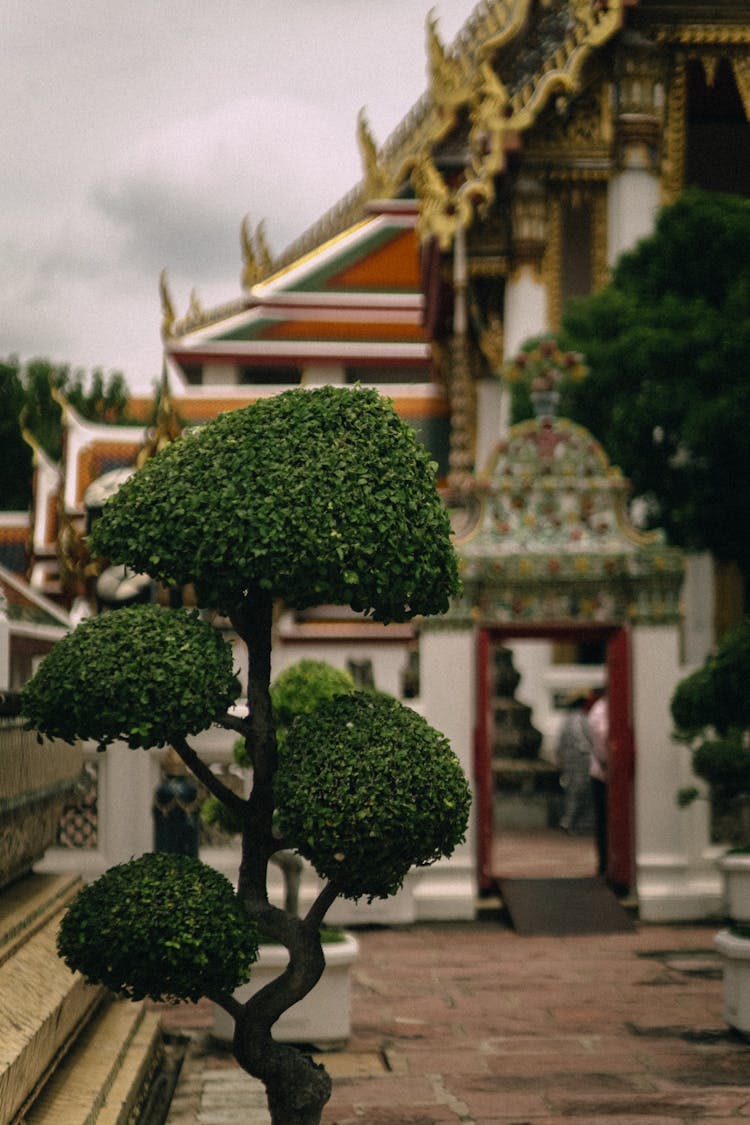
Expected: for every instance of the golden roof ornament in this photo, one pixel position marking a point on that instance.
(167, 425)
(489, 121)
(256, 256)
(448, 87)
(377, 183)
(167, 308)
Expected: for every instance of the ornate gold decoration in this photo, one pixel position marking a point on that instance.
(698, 34)
(741, 71)
(583, 134)
(256, 257)
(167, 308)
(674, 138)
(529, 219)
(509, 18)
(167, 426)
(489, 122)
(448, 86)
(377, 182)
(441, 210)
(492, 341)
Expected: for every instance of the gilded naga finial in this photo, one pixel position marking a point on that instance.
(167, 308)
(448, 87)
(167, 424)
(376, 179)
(256, 256)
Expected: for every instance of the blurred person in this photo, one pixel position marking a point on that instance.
(598, 718)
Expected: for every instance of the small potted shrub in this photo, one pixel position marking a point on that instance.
(711, 711)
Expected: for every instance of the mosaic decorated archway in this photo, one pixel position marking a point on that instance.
(552, 543)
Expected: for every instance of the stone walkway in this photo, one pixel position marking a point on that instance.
(472, 1023)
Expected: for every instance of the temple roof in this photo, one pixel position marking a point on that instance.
(28, 611)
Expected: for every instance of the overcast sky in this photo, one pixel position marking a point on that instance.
(135, 137)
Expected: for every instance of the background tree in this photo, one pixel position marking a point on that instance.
(27, 399)
(15, 453)
(320, 496)
(668, 394)
(711, 711)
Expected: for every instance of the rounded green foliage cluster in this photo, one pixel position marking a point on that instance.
(144, 674)
(317, 496)
(164, 926)
(366, 789)
(717, 694)
(711, 711)
(303, 686)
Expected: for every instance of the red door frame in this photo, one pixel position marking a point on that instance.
(621, 744)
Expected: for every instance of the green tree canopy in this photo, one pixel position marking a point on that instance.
(366, 788)
(668, 394)
(143, 673)
(27, 398)
(320, 496)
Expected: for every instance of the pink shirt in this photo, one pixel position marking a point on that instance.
(599, 723)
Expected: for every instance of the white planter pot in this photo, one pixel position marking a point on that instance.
(323, 1017)
(736, 869)
(735, 952)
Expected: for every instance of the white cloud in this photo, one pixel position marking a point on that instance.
(137, 137)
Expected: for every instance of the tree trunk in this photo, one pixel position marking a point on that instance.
(296, 1087)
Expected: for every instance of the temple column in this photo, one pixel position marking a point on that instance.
(447, 656)
(676, 873)
(634, 190)
(526, 312)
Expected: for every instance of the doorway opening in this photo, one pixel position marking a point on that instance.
(503, 849)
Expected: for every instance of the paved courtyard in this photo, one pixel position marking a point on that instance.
(472, 1023)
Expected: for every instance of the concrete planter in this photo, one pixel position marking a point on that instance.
(735, 952)
(323, 1017)
(736, 869)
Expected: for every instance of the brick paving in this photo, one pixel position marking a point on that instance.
(472, 1023)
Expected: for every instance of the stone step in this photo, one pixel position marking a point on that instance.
(110, 1073)
(43, 1005)
(28, 904)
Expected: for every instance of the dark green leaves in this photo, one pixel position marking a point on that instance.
(317, 496)
(143, 674)
(366, 789)
(668, 396)
(164, 926)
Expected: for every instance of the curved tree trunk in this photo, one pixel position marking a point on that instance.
(297, 1088)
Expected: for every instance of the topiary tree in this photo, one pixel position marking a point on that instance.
(320, 496)
(711, 711)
